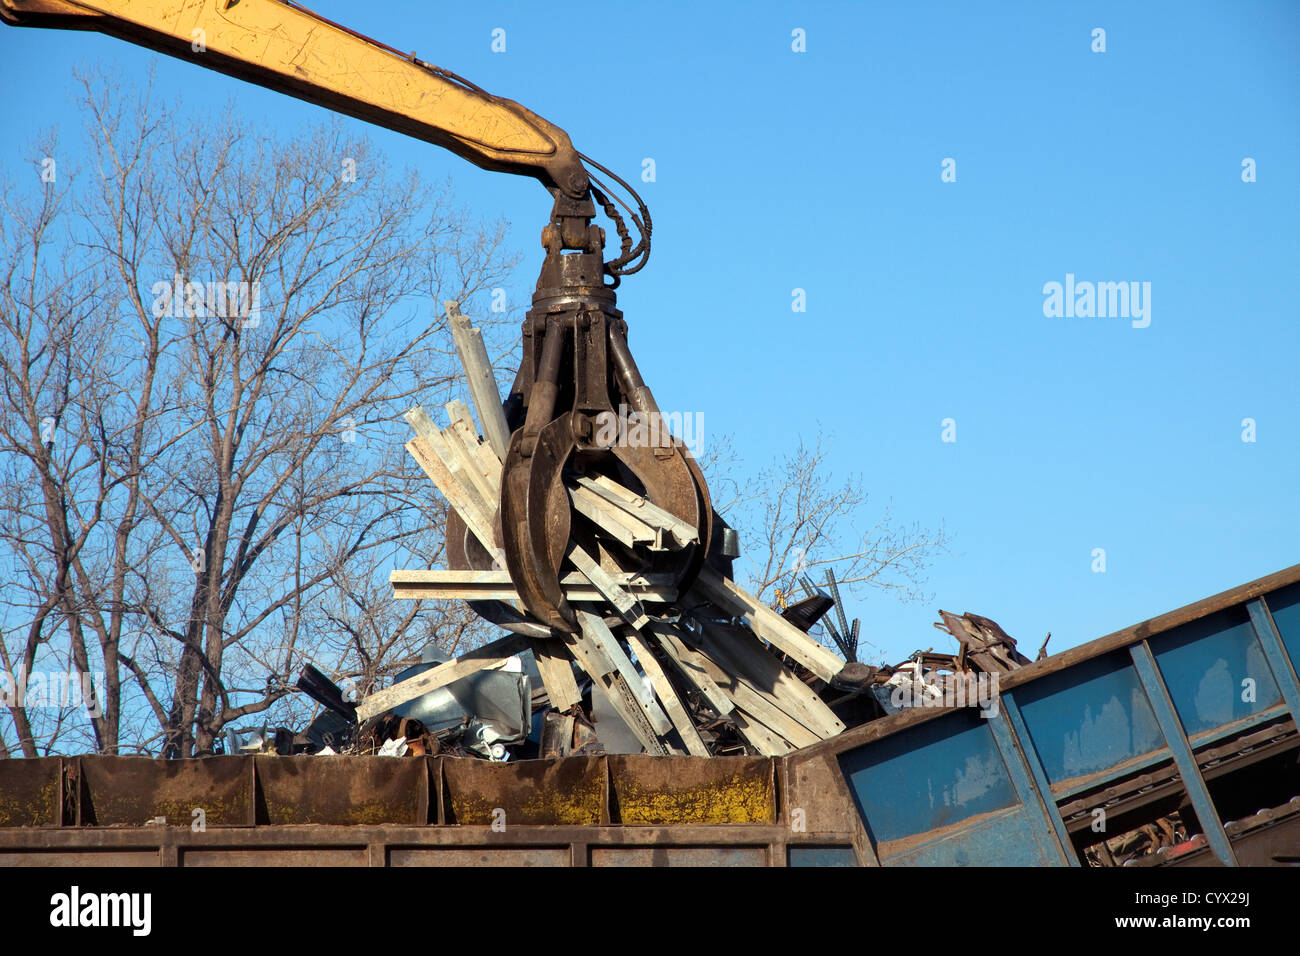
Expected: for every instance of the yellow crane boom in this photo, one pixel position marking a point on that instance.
(287, 48)
(576, 368)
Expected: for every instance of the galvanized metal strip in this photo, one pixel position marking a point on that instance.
(1144, 663)
(1019, 732)
(1275, 653)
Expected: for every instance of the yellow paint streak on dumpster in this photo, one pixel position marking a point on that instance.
(39, 812)
(736, 799)
(576, 805)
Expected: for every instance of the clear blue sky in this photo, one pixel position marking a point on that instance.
(821, 170)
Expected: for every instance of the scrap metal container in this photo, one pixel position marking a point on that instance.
(1193, 712)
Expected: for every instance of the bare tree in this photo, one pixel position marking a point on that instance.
(208, 340)
(797, 520)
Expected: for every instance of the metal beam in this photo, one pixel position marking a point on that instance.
(1275, 653)
(1163, 707)
(1042, 786)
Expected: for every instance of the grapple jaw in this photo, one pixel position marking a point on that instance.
(568, 411)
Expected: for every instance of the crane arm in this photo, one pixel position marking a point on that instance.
(576, 364)
(285, 47)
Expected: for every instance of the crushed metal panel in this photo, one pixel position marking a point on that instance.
(563, 792)
(497, 703)
(649, 791)
(31, 792)
(134, 791)
(342, 790)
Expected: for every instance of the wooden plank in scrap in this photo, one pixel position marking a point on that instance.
(628, 608)
(452, 490)
(748, 699)
(589, 655)
(438, 584)
(667, 695)
(738, 652)
(481, 379)
(608, 681)
(488, 656)
(774, 718)
(463, 443)
(688, 663)
(705, 674)
(484, 506)
(767, 624)
(615, 522)
(458, 414)
(760, 737)
(642, 509)
(480, 452)
(594, 628)
(553, 663)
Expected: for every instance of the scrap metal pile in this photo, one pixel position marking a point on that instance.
(929, 679)
(705, 671)
(653, 660)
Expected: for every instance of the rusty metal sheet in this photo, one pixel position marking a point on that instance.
(527, 793)
(679, 790)
(31, 792)
(343, 790)
(275, 856)
(79, 858)
(821, 856)
(133, 791)
(679, 856)
(480, 856)
(820, 792)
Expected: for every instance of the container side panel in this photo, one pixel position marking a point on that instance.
(1284, 603)
(1089, 718)
(1216, 671)
(678, 856)
(1003, 839)
(927, 777)
(821, 856)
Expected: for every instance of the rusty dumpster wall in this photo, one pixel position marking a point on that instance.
(1019, 784)
(429, 811)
